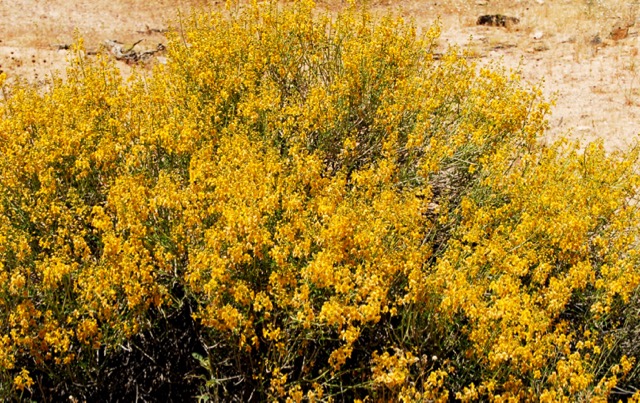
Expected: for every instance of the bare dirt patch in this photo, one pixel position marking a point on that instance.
(34, 33)
(584, 51)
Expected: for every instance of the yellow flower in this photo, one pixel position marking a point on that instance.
(23, 380)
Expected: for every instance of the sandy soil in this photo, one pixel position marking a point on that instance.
(572, 46)
(33, 33)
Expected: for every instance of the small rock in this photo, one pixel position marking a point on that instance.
(497, 20)
(537, 35)
(619, 33)
(541, 48)
(567, 39)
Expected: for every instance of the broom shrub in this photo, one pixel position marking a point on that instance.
(309, 207)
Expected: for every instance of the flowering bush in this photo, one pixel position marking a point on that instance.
(310, 207)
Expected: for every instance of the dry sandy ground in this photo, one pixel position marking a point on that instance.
(592, 75)
(568, 46)
(33, 31)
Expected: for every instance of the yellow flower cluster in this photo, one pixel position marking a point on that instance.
(344, 215)
(392, 370)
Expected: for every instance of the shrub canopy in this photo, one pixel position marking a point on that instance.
(315, 207)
